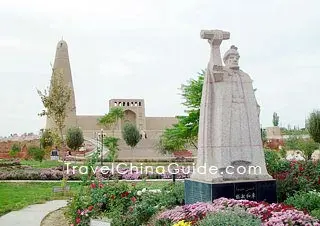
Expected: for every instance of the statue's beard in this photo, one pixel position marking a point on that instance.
(234, 66)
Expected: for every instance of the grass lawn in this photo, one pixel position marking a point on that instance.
(15, 196)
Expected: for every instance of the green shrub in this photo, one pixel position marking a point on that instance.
(47, 139)
(112, 144)
(315, 213)
(307, 146)
(274, 162)
(305, 201)
(14, 150)
(300, 176)
(131, 134)
(74, 138)
(236, 217)
(150, 203)
(36, 153)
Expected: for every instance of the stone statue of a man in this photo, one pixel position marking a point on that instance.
(229, 129)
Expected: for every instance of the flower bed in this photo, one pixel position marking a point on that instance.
(270, 214)
(122, 202)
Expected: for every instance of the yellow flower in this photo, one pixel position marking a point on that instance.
(182, 223)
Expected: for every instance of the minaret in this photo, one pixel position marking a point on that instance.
(62, 64)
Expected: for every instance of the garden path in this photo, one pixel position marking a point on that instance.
(31, 215)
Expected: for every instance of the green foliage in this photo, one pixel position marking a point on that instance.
(275, 119)
(123, 202)
(315, 213)
(230, 217)
(295, 131)
(55, 101)
(36, 153)
(14, 150)
(47, 139)
(111, 119)
(112, 144)
(264, 135)
(299, 176)
(313, 125)
(309, 201)
(192, 92)
(273, 161)
(307, 146)
(131, 134)
(74, 138)
(185, 132)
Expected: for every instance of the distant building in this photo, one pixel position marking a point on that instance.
(150, 127)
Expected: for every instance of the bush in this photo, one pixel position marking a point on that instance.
(315, 213)
(15, 149)
(123, 202)
(47, 139)
(300, 176)
(313, 125)
(74, 138)
(149, 203)
(307, 146)
(36, 153)
(131, 134)
(309, 201)
(230, 217)
(112, 144)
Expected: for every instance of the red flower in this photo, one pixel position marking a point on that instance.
(93, 185)
(78, 220)
(124, 194)
(133, 199)
(100, 185)
(113, 196)
(90, 208)
(78, 212)
(130, 208)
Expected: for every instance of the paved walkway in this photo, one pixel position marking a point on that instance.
(31, 215)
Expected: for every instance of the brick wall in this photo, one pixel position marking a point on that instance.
(5, 147)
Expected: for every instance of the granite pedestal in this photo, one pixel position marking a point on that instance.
(254, 190)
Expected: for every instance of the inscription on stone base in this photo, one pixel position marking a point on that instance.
(196, 191)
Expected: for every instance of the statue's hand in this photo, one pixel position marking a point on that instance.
(217, 37)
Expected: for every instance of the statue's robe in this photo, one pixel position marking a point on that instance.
(229, 114)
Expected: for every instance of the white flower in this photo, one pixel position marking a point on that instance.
(139, 193)
(144, 190)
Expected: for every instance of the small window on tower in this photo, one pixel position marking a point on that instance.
(140, 104)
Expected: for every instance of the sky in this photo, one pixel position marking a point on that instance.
(148, 48)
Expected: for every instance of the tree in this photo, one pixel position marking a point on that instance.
(74, 138)
(111, 119)
(275, 119)
(313, 125)
(36, 153)
(112, 144)
(185, 132)
(131, 135)
(47, 139)
(14, 150)
(55, 101)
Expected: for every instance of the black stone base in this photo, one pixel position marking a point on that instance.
(254, 190)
